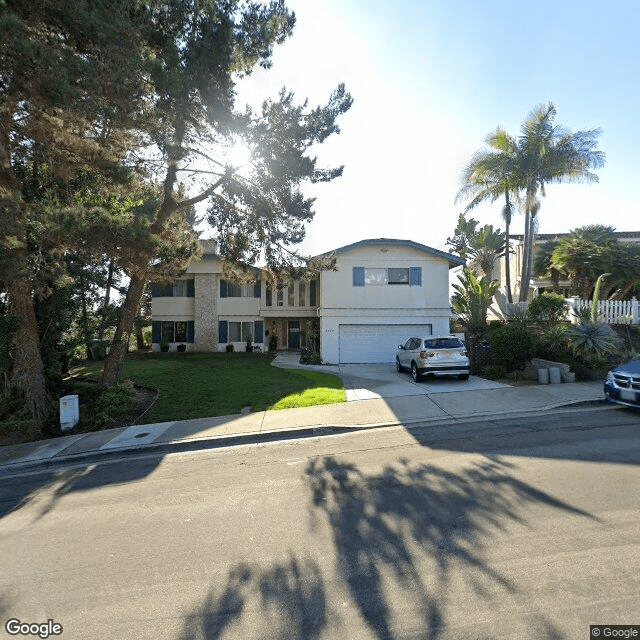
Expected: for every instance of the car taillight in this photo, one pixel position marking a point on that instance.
(427, 354)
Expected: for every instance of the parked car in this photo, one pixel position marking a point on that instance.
(438, 356)
(623, 384)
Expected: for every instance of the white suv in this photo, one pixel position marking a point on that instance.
(439, 356)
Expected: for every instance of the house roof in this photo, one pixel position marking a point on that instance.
(454, 260)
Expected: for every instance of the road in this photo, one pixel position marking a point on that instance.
(524, 528)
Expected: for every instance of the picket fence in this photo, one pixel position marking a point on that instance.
(609, 311)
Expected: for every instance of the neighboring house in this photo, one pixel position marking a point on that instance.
(540, 285)
(381, 293)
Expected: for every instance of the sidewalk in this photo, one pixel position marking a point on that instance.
(263, 426)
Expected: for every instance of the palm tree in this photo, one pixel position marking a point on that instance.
(549, 153)
(491, 174)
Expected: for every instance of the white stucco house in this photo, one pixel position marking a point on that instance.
(382, 292)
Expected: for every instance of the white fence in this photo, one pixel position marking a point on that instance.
(609, 311)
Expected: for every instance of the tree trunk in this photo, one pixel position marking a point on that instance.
(107, 298)
(27, 375)
(139, 337)
(524, 278)
(507, 245)
(115, 360)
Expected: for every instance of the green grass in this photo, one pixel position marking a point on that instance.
(198, 385)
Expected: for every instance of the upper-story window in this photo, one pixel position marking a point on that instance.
(387, 276)
(233, 290)
(302, 294)
(313, 293)
(291, 300)
(280, 295)
(179, 289)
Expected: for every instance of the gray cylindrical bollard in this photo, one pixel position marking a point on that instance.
(554, 375)
(543, 376)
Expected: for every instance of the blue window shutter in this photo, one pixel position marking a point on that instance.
(358, 276)
(156, 331)
(223, 331)
(223, 288)
(190, 331)
(258, 332)
(191, 288)
(257, 289)
(415, 276)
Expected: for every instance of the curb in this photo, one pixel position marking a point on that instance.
(224, 441)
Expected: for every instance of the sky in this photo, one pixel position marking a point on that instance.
(430, 80)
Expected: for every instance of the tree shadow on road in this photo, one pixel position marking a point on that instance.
(285, 601)
(42, 491)
(408, 530)
(407, 542)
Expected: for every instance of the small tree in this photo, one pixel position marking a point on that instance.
(472, 298)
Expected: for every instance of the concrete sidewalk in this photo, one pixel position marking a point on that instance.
(425, 408)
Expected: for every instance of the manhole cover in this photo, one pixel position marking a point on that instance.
(141, 435)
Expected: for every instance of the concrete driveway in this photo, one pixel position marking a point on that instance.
(368, 381)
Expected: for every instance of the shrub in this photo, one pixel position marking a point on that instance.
(513, 346)
(548, 307)
(115, 400)
(494, 372)
(593, 338)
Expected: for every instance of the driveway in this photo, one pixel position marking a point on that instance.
(367, 381)
(370, 381)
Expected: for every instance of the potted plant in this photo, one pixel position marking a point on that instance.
(164, 345)
(229, 348)
(181, 348)
(249, 347)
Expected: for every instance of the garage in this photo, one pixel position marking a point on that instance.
(375, 343)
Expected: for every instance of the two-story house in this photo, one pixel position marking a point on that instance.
(381, 292)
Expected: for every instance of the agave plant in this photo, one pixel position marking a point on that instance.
(593, 337)
(555, 337)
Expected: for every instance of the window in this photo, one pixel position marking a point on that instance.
(398, 276)
(232, 290)
(301, 294)
(167, 331)
(240, 331)
(313, 293)
(444, 343)
(280, 295)
(180, 332)
(268, 297)
(291, 297)
(179, 289)
(170, 331)
(374, 276)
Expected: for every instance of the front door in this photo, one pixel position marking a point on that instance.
(293, 341)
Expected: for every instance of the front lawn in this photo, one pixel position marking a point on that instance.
(199, 385)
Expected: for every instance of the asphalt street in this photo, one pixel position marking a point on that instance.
(525, 528)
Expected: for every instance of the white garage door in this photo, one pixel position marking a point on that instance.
(376, 343)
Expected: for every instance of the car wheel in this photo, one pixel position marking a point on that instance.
(398, 365)
(415, 374)
(463, 376)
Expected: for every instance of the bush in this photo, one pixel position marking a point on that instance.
(513, 346)
(114, 401)
(548, 307)
(494, 372)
